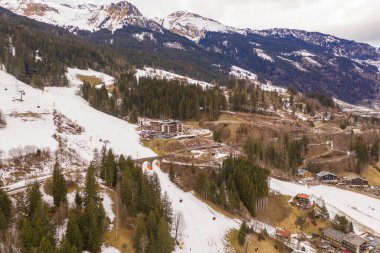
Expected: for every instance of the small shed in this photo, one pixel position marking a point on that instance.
(325, 176)
(355, 181)
(305, 173)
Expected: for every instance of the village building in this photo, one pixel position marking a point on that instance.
(355, 181)
(302, 200)
(166, 126)
(373, 244)
(354, 243)
(326, 177)
(351, 242)
(333, 236)
(159, 128)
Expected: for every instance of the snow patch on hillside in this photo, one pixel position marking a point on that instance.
(107, 204)
(260, 53)
(370, 62)
(109, 249)
(73, 74)
(240, 73)
(162, 74)
(303, 53)
(295, 64)
(142, 36)
(175, 45)
(312, 61)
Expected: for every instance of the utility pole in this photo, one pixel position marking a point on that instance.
(117, 211)
(246, 247)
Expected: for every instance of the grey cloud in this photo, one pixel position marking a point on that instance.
(351, 19)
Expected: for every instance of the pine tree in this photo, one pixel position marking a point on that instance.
(166, 208)
(242, 233)
(34, 200)
(375, 150)
(5, 210)
(90, 186)
(73, 233)
(90, 227)
(152, 224)
(109, 169)
(78, 200)
(46, 245)
(59, 186)
(221, 199)
(203, 184)
(65, 247)
(171, 173)
(141, 231)
(165, 241)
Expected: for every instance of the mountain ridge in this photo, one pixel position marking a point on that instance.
(205, 49)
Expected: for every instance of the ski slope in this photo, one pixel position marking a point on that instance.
(30, 122)
(361, 209)
(202, 234)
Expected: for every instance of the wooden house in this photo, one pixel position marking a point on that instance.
(326, 177)
(302, 200)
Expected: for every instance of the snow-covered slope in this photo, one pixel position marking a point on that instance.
(202, 233)
(31, 121)
(162, 74)
(193, 26)
(363, 210)
(73, 75)
(91, 16)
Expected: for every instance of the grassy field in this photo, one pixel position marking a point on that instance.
(372, 175)
(124, 240)
(48, 187)
(281, 214)
(162, 146)
(93, 80)
(254, 245)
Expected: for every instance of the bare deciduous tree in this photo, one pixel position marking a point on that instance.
(178, 226)
(144, 241)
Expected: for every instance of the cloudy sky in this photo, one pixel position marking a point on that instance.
(352, 19)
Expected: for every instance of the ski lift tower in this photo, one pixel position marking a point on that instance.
(22, 92)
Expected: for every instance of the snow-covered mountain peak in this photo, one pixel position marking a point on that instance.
(192, 25)
(124, 8)
(86, 16)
